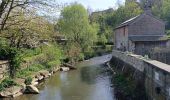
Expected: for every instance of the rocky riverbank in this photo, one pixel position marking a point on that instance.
(22, 88)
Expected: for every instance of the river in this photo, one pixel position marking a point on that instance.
(91, 81)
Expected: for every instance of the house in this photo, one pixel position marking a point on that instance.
(141, 34)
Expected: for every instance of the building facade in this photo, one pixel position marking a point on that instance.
(141, 34)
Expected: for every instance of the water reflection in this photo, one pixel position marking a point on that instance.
(89, 82)
(89, 75)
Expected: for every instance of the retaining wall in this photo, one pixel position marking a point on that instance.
(156, 74)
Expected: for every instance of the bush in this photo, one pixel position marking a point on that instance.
(35, 67)
(81, 57)
(23, 73)
(31, 52)
(53, 64)
(6, 83)
(28, 80)
(28, 71)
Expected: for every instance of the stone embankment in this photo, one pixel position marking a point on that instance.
(22, 88)
(155, 75)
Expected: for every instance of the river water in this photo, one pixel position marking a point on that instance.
(91, 81)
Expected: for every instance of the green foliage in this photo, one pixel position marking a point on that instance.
(108, 20)
(30, 52)
(124, 84)
(102, 39)
(46, 58)
(12, 54)
(74, 24)
(53, 64)
(28, 80)
(6, 83)
(52, 53)
(28, 71)
(15, 59)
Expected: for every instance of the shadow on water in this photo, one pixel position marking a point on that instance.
(91, 81)
(89, 75)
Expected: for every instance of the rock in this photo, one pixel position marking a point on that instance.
(20, 81)
(1, 76)
(64, 69)
(10, 92)
(69, 65)
(39, 77)
(49, 74)
(35, 80)
(44, 73)
(17, 94)
(5, 94)
(32, 89)
(55, 70)
(52, 72)
(34, 83)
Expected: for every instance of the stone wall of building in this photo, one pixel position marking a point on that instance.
(147, 25)
(121, 38)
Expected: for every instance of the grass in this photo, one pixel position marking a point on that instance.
(28, 80)
(6, 83)
(28, 71)
(44, 58)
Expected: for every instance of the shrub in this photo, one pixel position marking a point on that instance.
(28, 80)
(6, 83)
(31, 52)
(23, 73)
(36, 67)
(52, 52)
(53, 64)
(28, 71)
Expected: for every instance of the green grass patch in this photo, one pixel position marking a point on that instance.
(6, 83)
(28, 80)
(28, 71)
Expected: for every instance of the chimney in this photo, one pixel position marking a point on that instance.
(148, 7)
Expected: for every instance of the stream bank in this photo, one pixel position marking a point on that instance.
(88, 82)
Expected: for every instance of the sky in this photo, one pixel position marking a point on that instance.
(95, 4)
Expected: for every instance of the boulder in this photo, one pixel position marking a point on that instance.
(49, 74)
(5, 94)
(11, 92)
(17, 94)
(39, 77)
(31, 89)
(64, 69)
(34, 81)
(55, 70)
(44, 73)
(20, 81)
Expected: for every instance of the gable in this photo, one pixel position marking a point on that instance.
(147, 17)
(138, 18)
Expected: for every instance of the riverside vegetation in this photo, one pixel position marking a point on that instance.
(29, 41)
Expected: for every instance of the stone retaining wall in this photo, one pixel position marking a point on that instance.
(156, 74)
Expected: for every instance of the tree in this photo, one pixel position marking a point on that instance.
(10, 9)
(28, 30)
(74, 24)
(109, 19)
